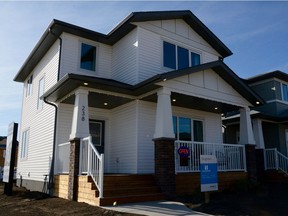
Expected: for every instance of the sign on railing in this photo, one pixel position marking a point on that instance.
(230, 157)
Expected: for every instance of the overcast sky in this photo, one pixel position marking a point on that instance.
(256, 33)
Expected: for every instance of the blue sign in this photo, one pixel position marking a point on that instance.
(209, 174)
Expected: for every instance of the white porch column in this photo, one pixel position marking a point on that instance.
(80, 121)
(246, 131)
(164, 121)
(258, 133)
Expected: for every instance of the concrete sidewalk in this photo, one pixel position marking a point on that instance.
(156, 208)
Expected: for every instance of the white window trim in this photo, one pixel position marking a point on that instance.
(84, 71)
(24, 152)
(40, 94)
(178, 45)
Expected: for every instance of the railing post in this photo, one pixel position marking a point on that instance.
(101, 175)
(244, 159)
(89, 159)
(276, 159)
(81, 156)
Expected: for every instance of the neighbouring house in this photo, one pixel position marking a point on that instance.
(269, 121)
(2, 151)
(104, 115)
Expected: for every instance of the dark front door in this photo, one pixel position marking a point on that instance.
(97, 131)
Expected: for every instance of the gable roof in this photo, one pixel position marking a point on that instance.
(274, 74)
(70, 82)
(56, 28)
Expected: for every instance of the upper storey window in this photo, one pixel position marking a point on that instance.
(177, 57)
(88, 57)
(284, 92)
(29, 86)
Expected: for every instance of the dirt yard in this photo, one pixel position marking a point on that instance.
(244, 199)
(26, 203)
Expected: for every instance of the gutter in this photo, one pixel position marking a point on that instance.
(51, 173)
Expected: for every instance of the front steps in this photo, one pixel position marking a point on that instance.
(119, 189)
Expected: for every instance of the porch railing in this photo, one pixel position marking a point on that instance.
(62, 158)
(230, 157)
(92, 163)
(275, 160)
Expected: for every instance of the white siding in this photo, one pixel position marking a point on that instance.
(146, 129)
(70, 58)
(124, 59)
(40, 122)
(123, 146)
(206, 84)
(150, 44)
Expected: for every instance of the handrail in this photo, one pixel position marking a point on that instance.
(275, 160)
(90, 157)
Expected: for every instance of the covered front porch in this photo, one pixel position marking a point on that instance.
(144, 125)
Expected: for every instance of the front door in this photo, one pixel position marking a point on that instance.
(97, 131)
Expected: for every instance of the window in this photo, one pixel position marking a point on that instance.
(177, 57)
(24, 146)
(29, 86)
(88, 57)
(284, 92)
(187, 129)
(40, 93)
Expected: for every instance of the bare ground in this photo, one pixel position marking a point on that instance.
(244, 199)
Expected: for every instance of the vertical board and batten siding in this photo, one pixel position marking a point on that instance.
(124, 59)
(71, 54)
(150, 44)
(39, 122)
(123, 140)
(208, 85)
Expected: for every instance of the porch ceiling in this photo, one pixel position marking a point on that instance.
(191, 102)
(102, 101)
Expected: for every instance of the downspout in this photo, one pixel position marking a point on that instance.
(51, 173)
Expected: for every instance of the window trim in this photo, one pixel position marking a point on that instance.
(80, 54)
(24, 146)
(190, 51)
(40, 94)
(282, 94)
(191, 125)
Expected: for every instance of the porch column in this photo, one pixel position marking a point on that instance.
(80, 121)
(246, 131)
(258, 133)
(79, 129)
(247, 139)
(164, 145)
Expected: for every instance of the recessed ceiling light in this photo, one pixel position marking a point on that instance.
(173, 100)
(257, 102)
(86, 84)
(105, 104)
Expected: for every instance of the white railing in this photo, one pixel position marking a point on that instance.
(92, 163)
(275, 160)
(62, 158)
(230, 157)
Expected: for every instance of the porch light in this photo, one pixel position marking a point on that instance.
(174, 100)
(216, 108)
(105, 104)
(164, 79)
(85, 83)
(257, 102)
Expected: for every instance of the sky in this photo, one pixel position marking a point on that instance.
(256, 32)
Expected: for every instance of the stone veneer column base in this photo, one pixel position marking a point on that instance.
(73, 169)
(165, 166)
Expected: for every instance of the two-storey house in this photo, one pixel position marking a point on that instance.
(124, 103)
